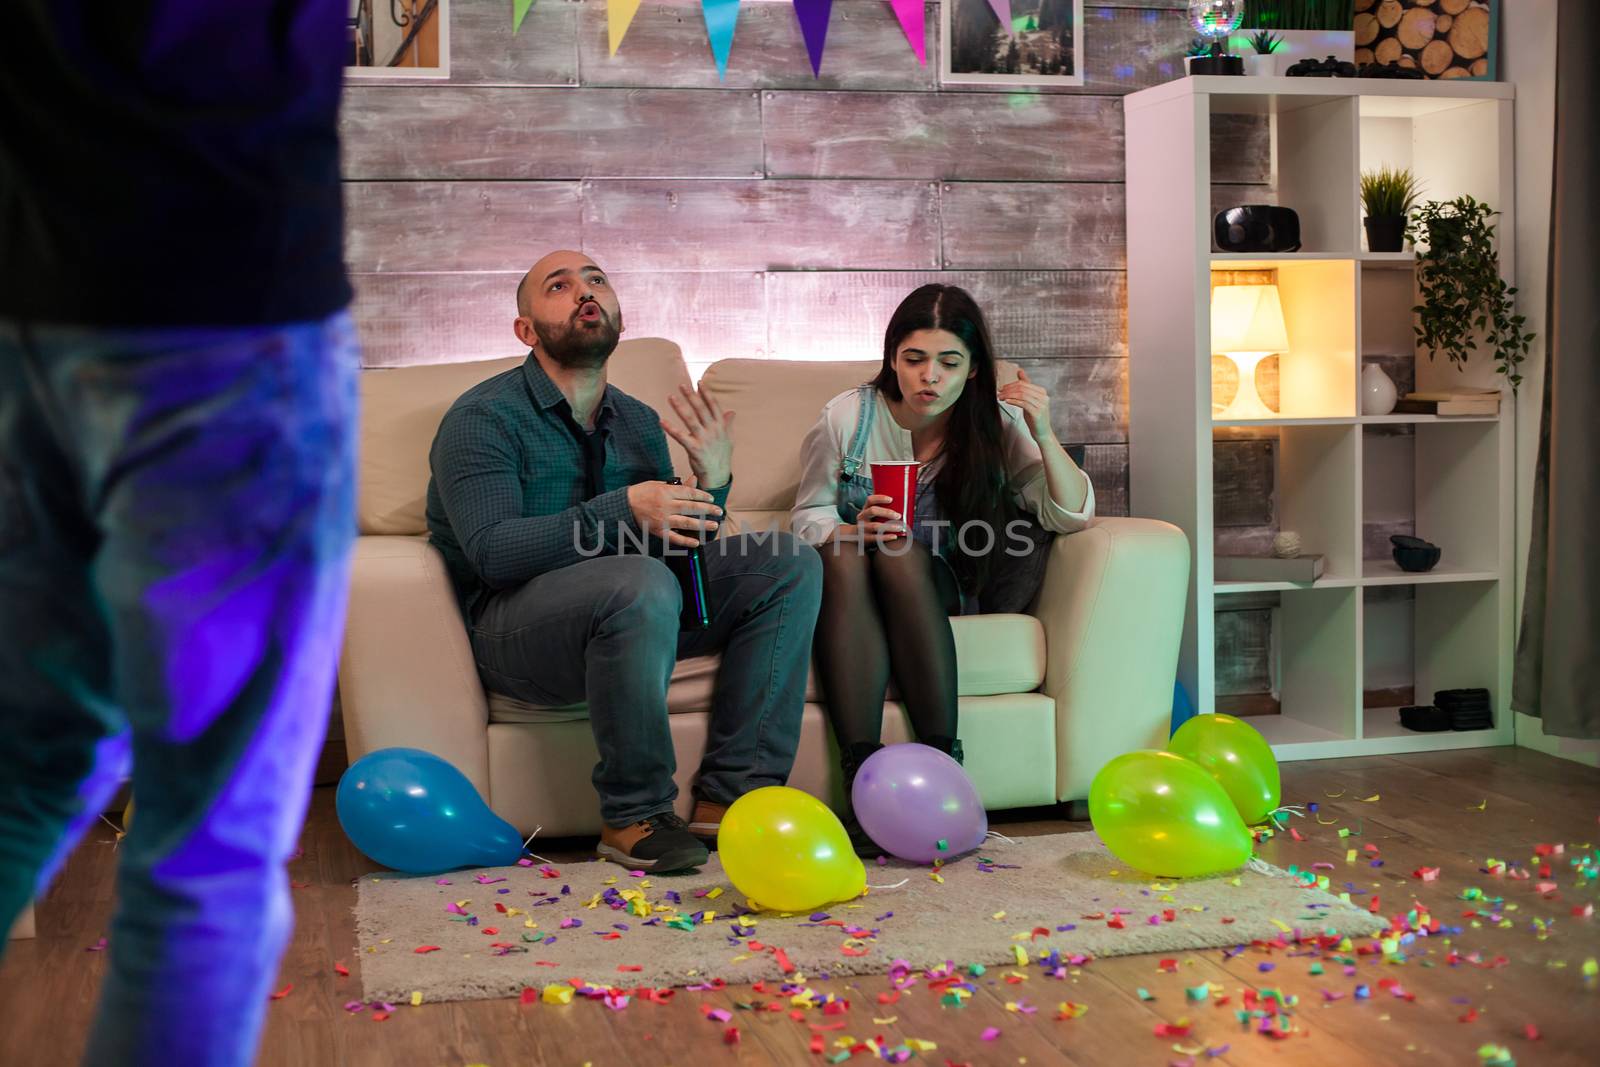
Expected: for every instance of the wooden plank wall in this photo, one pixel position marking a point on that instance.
(773, 214)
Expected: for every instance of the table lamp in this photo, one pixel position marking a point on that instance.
(1247, 327)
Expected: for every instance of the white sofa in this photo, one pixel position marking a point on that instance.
(1046, 698)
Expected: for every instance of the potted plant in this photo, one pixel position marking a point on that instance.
(1206, 57)
(1262, 64)
(1387, 196)
(1464, 298)
(1312, 29)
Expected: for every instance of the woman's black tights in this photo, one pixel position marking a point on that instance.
(886, 610)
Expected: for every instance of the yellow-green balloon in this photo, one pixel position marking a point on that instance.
(785, 851)
(1164, 815)
(1237, 756)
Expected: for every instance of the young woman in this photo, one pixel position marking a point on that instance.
(988, 457)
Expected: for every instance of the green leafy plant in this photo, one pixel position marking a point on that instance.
(1389, 192)
(1463, 296)
(1300, 14)
(1200, 46)
(1265, 42)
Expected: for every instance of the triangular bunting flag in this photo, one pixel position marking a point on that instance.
(813, 15)
(720, 16)
(913, 22)
(1002, 10)
(619, 15)
(519, 11)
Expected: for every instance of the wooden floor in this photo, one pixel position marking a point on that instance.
(1454, 811)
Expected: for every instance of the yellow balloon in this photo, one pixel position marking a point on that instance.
(1237, 756)
(1164, 815)
(784, 850)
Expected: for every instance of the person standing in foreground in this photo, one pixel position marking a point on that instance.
(177, 407)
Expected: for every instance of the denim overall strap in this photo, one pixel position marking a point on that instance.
(858, 443)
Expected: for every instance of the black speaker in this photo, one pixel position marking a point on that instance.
(1257, 228)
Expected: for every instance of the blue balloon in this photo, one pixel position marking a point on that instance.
(1182, 707)
(412, 811)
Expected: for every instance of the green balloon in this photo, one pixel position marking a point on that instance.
(1237, 756)
(1164, 815)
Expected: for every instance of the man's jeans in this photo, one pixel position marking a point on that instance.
(606, 631)
(176, 515)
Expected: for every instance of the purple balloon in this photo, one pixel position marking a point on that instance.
(918, 804)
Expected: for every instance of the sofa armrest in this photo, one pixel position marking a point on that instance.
(407, 677)
(1112, 606)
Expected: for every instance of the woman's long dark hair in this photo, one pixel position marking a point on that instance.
(971, 483)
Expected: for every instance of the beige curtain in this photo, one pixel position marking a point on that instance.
(1558, 651)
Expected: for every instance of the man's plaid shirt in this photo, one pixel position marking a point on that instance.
(508, 501)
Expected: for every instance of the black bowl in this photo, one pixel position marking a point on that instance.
(1256, 228)
(1414, 554)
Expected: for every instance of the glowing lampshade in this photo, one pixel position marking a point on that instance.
(1247, 326)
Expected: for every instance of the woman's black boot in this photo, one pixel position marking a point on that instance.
(851, 757)
(950, 746)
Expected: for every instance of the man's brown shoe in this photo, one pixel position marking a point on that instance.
(707, 821)
(655, 843)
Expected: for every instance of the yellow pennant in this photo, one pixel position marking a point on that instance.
(619, 16)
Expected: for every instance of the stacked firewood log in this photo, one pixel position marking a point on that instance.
(1445, 38)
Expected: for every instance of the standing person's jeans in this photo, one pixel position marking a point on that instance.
(606, 631)
(176, 515)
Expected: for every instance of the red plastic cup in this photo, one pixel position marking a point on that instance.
(898, 482)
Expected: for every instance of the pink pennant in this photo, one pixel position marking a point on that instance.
(913, 22)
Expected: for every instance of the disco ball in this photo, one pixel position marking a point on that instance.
(1215, 18)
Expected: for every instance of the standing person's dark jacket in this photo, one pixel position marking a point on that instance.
(187, 150)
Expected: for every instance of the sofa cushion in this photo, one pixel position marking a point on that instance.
(401, 408)
(776, 402)
(995, 654)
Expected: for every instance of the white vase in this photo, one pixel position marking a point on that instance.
(1378, 394)
(1260, 66)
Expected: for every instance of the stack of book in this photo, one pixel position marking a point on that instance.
(1468, 708)
(1451, 402)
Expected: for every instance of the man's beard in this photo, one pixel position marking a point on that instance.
(576, 346)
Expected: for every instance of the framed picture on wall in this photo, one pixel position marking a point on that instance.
(397, 39)
(1441, 38)
(1042, 46)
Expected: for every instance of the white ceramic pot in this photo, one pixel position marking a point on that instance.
(1260, 66)
(1378, 394)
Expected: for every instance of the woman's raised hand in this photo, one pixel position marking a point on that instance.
(1034, 400)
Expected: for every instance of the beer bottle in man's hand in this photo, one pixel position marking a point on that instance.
(688, 565)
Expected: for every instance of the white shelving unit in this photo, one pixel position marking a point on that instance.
(1350, 631)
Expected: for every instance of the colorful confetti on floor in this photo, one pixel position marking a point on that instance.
(1481, 960)
(1216, 999)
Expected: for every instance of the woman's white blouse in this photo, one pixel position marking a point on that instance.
(816, 506)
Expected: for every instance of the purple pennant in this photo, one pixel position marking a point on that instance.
(1002, 11)
(813, 16)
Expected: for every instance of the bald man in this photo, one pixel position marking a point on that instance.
(546, 482)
